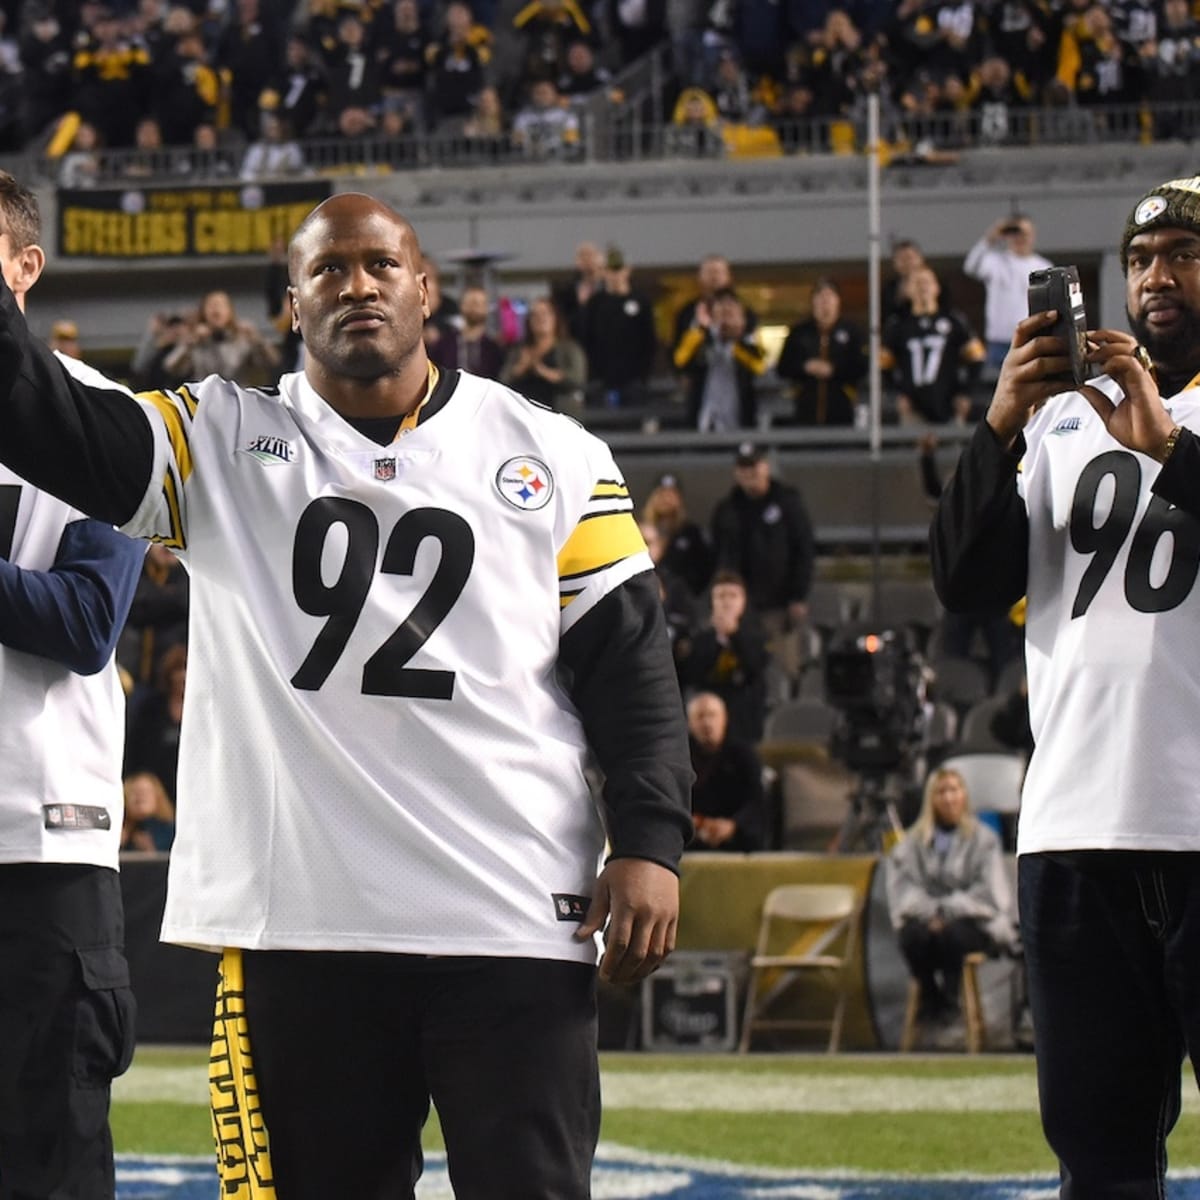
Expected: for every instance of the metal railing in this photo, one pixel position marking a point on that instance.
(619, 131)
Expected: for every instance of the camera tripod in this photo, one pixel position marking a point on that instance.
(873, 816)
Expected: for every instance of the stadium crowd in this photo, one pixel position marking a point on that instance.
(613, 346)
(249, 88)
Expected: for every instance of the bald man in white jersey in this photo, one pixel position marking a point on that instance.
(420, 607)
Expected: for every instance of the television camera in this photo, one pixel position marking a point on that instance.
(875, 678)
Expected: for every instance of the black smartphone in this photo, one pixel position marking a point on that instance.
(1058, 288)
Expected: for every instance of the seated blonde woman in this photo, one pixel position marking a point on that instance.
(948, 893)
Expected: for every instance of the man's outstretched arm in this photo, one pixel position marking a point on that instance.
(79, 436)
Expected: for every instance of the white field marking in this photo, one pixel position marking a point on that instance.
(606, 1184)
(144, 1084)
(706, 1091)
(805, 1191)
(746, 1091)
(612, 1170)
(172, 1175)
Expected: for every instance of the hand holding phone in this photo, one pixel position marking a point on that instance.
(1058, 289)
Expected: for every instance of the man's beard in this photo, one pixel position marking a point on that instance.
(1176, 350)
(363, 363)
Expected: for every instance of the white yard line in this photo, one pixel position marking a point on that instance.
(743, 1091)
(708, 1091)
(148, 1085)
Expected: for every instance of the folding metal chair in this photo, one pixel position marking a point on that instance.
(806, 930)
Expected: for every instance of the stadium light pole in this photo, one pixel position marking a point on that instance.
(875, 386)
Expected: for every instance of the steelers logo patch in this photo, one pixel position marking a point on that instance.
(526, 483)
(1151, 207)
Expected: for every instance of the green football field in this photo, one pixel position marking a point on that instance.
(903, 1115)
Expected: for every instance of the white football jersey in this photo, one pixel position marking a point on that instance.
(1112, 640)
(62, 733)
(376, 753)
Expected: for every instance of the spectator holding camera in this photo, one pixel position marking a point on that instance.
(1001, 260)
(218, 343)
(721, 363)
(164, 333)
(729, 657)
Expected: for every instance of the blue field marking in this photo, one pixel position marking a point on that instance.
(631, 1175)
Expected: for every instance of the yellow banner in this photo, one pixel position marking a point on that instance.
(183, 222)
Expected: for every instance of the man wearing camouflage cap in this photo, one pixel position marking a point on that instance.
(1088, 502)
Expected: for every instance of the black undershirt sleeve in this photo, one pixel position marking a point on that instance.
(90, 446)
(615, 663)
(1179, 479)
(979, 536)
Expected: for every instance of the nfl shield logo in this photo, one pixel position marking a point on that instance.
(385, 469)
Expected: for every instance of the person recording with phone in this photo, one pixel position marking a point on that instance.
(1085, 498)
(1001, 260)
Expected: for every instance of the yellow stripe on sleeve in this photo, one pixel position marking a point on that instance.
(692, 340)
(609, 489)
(189, 401)
(176, 541)
(599, 542)
(176, 433)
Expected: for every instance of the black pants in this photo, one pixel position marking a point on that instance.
(928, 953)
(349, 1048)
(1112, 941)
(66, 1029)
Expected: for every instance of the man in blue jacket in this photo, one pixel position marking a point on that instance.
(66, 1010)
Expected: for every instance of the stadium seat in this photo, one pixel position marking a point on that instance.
(832, 602)
(1010, 677)
(992, 779)
(804, 719)
(801, 929)
(975, 733)
(751, 141)
(960, 681)
(910, 603)
(941, 731)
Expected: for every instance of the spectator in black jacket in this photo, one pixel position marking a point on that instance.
(680, 606)
(250, 48)
(824, 358)
(762, 531)
(686, 550)
(571, 296)
(728, 808)
(618, 336)
(457, 68)
(154, 718)
(157, 617)
(729, 657)
(298, 89)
